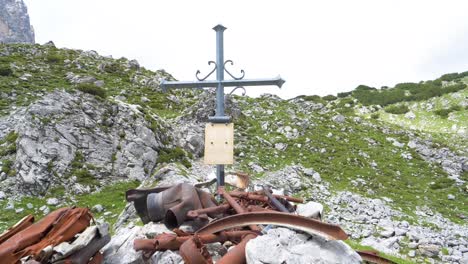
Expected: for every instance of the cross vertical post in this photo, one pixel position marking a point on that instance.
(219, 84)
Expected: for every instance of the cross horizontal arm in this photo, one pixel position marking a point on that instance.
(226, 83)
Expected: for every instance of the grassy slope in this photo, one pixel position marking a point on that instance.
(407, 183)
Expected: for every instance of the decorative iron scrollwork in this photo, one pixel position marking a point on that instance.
(208, 75)
(239, 87)
(235, 78)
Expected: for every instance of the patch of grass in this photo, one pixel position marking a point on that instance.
(111, 197)
(442, 183)
(6, 166)
(176, 154)
(356, 246)
(397, 109)
(92, 89)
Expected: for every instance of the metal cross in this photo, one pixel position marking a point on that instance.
(220, 83)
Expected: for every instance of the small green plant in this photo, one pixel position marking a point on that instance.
(92, 89)
(397, 109)
(375, 115)
(444, 113)
(54, 58)
(6, 166)
(167, 155)
(6, 71)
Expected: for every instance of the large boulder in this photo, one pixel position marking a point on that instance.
(282, 245)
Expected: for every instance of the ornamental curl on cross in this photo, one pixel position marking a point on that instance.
(228, 72)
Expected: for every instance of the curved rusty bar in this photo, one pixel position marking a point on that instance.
(194, 252)
(373, 257)
(308, 225)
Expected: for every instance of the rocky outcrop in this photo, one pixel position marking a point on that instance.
(14, 22)
(282, 245)
(77, 140)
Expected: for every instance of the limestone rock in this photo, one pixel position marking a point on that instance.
(281, 245)
(14, 22)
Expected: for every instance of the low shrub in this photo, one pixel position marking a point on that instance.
(397, 109)
(92, 89)
(6, 71)
(375, 115)
(329, 97)
(444, 113)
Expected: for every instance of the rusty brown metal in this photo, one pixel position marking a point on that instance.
(173, 242)
(308, 225)
(237, 254)
(11, 250)
(263, 198)
(256, 208)
(239, 209)
(18, 227)
(193, 251)
(192, 214)
(97, 259)
(374, 257)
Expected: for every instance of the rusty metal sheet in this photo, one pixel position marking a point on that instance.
(193, 251)
(328, 231)
(21, 225)
(219, 143)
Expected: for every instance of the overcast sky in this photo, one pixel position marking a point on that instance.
(319, 47)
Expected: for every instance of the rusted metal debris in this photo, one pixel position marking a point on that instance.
(374, 257)
(311, 226)
(193, 251)
(183, 202)
(35, 242)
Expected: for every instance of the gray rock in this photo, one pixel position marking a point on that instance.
(410, 115)
(281, 245)
(429, 250)
(2, 195)
(339, 118)
(166, 257)
(99, 83)
(29, 205)
(98, 208)
(451, 197)
(53, 201)
(120, 248)
(310, 209)
(411, 253)
(15, 26)
(281, 146)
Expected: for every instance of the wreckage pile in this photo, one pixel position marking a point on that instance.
(242, 217)
(239, 222)
(63, 236)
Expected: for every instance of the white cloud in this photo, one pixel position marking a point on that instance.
(319, 47)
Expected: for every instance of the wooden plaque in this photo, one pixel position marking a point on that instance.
(219, 143)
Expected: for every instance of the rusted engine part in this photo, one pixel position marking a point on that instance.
(374, 257)
(239, 180)
(21, 225)
(173, 242)
(60, 225)
(86, 245)
(328, 231)
(237, 254)
(260, 197)
(170, 204)
(138, 197)
(193, 251)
